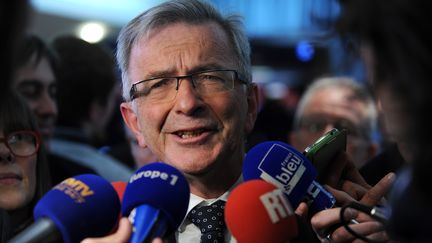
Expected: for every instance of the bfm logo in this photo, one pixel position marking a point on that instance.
(75, 189)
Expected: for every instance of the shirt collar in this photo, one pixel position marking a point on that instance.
(195, 200)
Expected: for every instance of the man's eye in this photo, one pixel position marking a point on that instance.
(211, 78)
(161, 83)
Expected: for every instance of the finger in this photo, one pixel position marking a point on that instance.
(376, 193)
(341, 235)
(372, 228)
(302, 210)
(157, 240)
(355, 190)
(381, 236)
(125, 230)
(323, 220)
(122, 234)
(367, 228)
(351, 173)
(341, 197)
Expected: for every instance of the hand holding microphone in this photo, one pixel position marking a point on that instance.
(283, 166)
(156, 201)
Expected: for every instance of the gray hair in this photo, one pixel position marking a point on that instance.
(360, 93)
(175, 11)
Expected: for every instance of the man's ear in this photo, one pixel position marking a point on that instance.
(131, 120)
(252, 102)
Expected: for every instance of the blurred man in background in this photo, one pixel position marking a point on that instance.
(337, 102)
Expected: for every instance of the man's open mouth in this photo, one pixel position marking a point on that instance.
(189, 134)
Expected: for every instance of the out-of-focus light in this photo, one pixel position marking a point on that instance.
(92, 32)
(305, 51)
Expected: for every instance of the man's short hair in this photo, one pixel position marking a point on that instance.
(186, 11)
(360, 93)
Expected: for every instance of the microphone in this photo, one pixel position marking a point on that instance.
(119, 187)
(257, 211)
(156, 201)
(283, 166)
(79, 207)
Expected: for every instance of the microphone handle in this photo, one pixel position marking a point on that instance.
(147, 223)
(43, 230)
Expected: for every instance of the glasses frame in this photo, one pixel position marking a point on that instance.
(133, 92)
(35, 134)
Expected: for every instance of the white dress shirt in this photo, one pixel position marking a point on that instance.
(188, 232)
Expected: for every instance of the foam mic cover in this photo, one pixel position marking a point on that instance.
(257, 211)
(79, 207)
(282, 165)
(119, 187)
(156, 200)
(285, 167)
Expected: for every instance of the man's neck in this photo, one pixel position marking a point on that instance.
(215, 182)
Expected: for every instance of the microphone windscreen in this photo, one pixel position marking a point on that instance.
(160, 186)
(119, 187)
(281, 165)
(257, 211)
(81, 206)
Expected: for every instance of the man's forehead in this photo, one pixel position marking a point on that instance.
(351, 109)
(182, 47)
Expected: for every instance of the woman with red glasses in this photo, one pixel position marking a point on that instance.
(24, 176)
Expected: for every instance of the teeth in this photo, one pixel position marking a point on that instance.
(189, 134)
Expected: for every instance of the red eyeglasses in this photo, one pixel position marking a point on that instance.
(22, 143)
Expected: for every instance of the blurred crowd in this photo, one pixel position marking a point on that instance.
(60, 115)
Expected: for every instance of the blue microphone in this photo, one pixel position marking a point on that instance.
(285, 167)
(79, 207)
(156, 201)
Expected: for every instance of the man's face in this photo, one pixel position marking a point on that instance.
(196, 134)
(329, 108)
(37, 83)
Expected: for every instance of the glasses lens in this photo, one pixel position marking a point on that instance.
(214, 81)
(165, 89)
(313, 125)
(362, 225)
(23, 143)
(160, 89)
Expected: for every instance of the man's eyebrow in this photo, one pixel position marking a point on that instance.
(162, 73)
(201, 68)
(173, 73)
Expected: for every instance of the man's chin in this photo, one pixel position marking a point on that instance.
(193, 168)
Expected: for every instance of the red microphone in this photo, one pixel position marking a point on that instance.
(257, 211)
(119, 187)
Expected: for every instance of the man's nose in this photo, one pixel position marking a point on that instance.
(187, 100)
(329, 126)
(47, 105)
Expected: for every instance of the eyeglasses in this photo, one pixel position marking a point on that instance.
(318, 124)
(22, 143)
(206, 83)
(380, 215)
